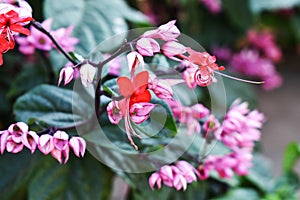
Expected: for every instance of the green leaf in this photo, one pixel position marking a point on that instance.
(239, 13)
(291, 156)
(78, 179)
(15, 172)
(53, 105)
(260, 5)
(240, 193)
(260, 173)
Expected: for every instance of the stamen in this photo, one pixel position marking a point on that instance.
(239, 79)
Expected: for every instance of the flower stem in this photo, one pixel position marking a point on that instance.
(39, 27)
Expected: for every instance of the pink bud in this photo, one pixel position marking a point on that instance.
(61, 155)
(140, 112)
(13, 146)
(203, 172)
(179, 182)
(173, 48)
(87, 74)
(60, 140)
(46, 144)
(155, 179)
(114, 113)
(67, 74)
(199, 111)
(189, 77)
(78, 145)
(134, 59)
(30, 140)
(147, 46)
(165, 32)
(17, 130)
(204, 76)
(3, 140)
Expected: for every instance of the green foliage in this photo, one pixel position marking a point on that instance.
(53, 105)
(291, 156)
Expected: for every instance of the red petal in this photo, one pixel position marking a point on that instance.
(140, 97)
(1, 59)
(20, 29)
(125, 86)
(140, 81)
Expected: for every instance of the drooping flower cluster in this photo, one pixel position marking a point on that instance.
(18, 135)
(238, 131)
(189, 115)
(38, 40)
(256, 60)
(178, 176)
(12, 20)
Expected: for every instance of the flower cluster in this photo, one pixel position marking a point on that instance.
(257, 60)
(18, 135)
(238, 131)
(178, 176)
(12, 20)
(38, 40)
(189, 115)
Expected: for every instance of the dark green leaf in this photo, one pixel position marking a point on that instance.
(291, 156)
(53, 105)
(78, 179)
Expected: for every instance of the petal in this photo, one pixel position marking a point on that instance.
(140, 81)
(126, 87)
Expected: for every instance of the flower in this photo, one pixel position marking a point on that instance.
(161, 88)
(30, 139)
(134, 59)
(64, 38)
(78, 145)
(3, 139)
(178, 176)
(173, 48)
(134, 91)
(140, 112)
(66, 73)
(46, 144)
(11, 22)
(114, 113)
(61, 146)
(147, 46)
(87, 73)
(166, 32)
(214, 6)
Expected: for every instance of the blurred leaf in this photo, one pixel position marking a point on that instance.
(15, 172)
(291, 156)
(52, 105)
(239, 13)
(78, 179)
(260, 174)
(240, 193)
(260, 5)
(27, 79)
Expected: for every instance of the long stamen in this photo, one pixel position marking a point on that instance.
(239, 79)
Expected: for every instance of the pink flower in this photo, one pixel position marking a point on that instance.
(87, 74)
(114, 113)
(177, 176)
(17, 130)
(61, 146)
(13, 144)
(214, 6)
(199, 111)
(66, 73)
(165, 32)
(161, 88)
(30, 140)
(134, 59)
(240, 127)
(3, 139)
(37, 39)
(78, 145)
(265, 41)
(203, 172)
(46, 144)
(64, 38)
(173, 48)
(140, 112)
(222, 53)
(189, 76)
(147, 46)
(114, 65)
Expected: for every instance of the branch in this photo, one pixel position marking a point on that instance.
(39, 27)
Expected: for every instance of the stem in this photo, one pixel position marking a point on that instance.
(39, 27)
